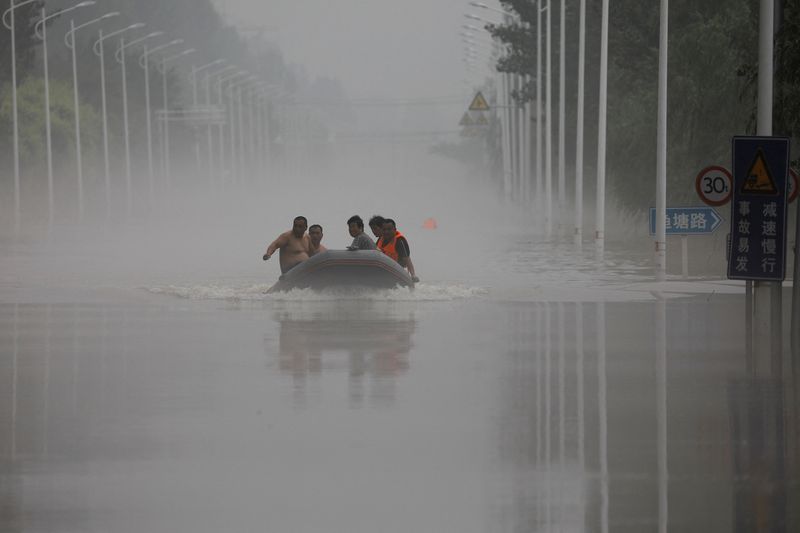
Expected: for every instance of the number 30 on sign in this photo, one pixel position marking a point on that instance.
(713, 185)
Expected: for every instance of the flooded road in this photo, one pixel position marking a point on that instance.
(150, 412)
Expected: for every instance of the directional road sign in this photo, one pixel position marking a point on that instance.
(758, 209)
(699, 220)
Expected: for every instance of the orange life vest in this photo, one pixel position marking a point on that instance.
(391, 248)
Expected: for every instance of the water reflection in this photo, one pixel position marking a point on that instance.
(583, 417)
(628, 409)
(759, 452)
(369, 341)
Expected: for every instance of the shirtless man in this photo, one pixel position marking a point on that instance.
(293, 244)
(315, 240)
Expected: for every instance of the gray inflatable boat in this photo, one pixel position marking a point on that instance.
(369, 269)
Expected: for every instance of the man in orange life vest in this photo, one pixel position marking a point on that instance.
(395, 245)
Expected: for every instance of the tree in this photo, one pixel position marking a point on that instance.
(710, 43)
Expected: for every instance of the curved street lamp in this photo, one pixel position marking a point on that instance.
(69, 40)
(9, 23)
(166, 158)
(195, 72)
(144, 63)
(40, 29)
(229, 112)
(99, 51)
(237, 166)
(119, 55)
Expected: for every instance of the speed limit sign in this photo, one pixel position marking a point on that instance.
(794, 184)
(713, 185)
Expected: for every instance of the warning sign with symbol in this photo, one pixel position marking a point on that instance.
(481, 120)
(758, 179)
(479, 103)
(758, 210)
(466, 120)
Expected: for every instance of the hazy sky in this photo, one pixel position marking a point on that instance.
(376, 48)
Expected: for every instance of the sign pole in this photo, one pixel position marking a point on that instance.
(795, 322)
(661, 173)
(684, 256)
(766, 326)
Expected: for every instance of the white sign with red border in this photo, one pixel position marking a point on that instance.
(713, 185)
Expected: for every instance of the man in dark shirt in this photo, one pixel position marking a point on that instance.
(355, 225)
(376, 225)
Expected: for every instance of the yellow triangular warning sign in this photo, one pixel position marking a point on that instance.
(466, 120)
(481, 120)
(479, 103)
(759, 180)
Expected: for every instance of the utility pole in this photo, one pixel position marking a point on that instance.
(661, 170)
(766, 311)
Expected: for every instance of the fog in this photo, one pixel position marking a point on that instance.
(377, 49)
(149, 381)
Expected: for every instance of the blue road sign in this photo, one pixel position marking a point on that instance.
(758, 209)
(699, 220)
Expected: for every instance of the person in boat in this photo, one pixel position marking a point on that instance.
(355, 225)
(376, 225)
(293, 245)
(315, 240)
(395, 245)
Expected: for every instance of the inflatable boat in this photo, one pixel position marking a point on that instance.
(344, 268)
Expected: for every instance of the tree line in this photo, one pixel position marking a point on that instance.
(713, 54)
(197, 22)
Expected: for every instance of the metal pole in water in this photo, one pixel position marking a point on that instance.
(766, 297)
(661, 171)
(562, 185)
(600, 214)
(539, 162)
(548, 155)
(578, 236)
(48, 127)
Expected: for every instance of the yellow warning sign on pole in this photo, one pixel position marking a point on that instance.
(479, 103)
(759, 180)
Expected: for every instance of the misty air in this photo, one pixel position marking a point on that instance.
(504, 266)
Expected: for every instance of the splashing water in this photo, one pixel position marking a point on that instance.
(257, 292)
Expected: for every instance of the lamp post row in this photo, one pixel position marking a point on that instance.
(40, 30)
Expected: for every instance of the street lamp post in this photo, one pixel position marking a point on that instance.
(209, 133)
(99, 50)
(166, 155)
(237, 156)
(69, 40)
(120, 57)
(548, 145)
(522, 159)
(40, 29)
(600, 212)
(578, 236)
(9, 22)
(145, 64)
(195, 72)
(229, 114)
(539, 130)
(562, 187)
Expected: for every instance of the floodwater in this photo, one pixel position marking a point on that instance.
(147, 383)
(594, 403)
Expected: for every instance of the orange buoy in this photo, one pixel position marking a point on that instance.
(430, 223)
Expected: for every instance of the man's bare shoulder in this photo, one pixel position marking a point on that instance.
(283, 238)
